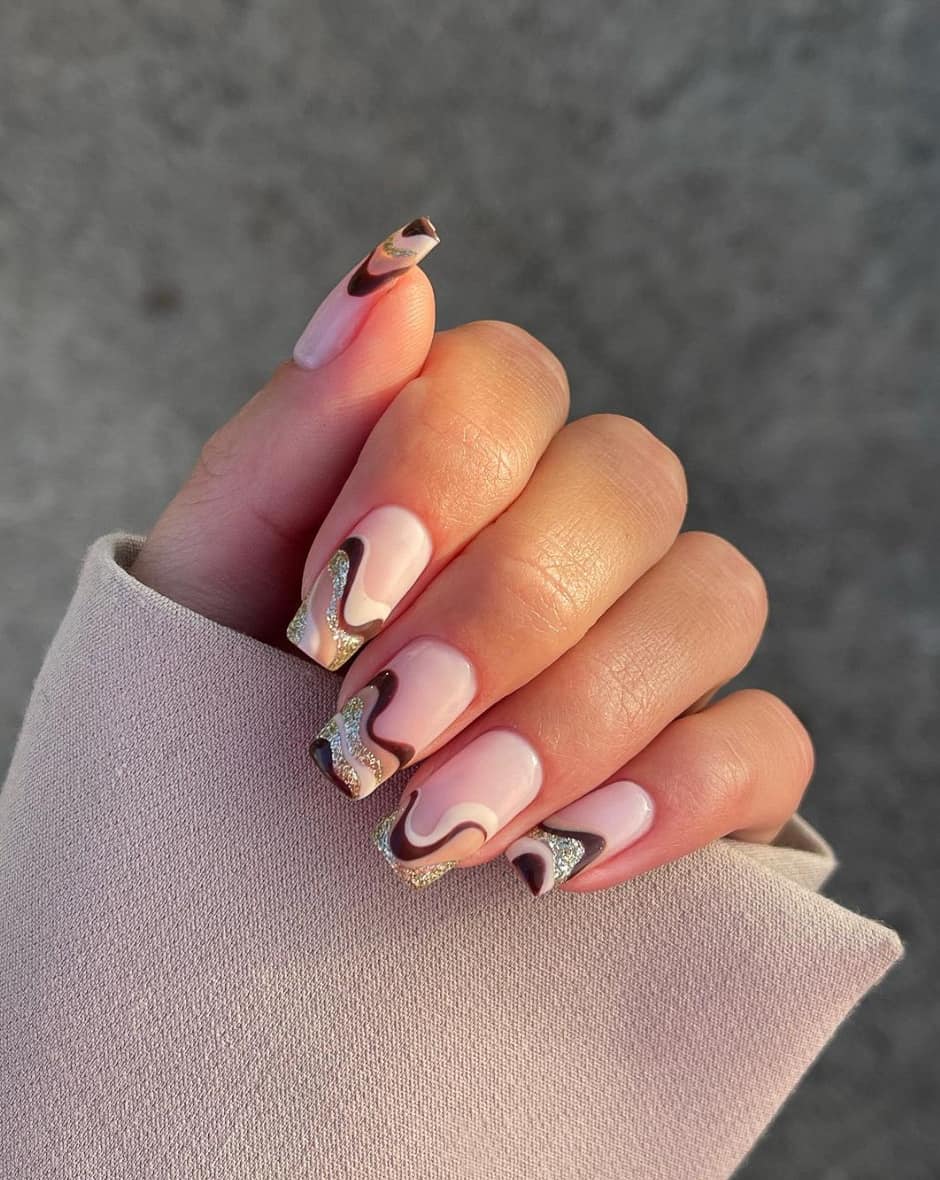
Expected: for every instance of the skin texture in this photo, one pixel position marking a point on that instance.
(539, 566)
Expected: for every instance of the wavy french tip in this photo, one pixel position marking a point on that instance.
(423, 226)
(341, 315)
(586, 832)
(417, 878)
(321, 751)
(531, 871)
(544, 858)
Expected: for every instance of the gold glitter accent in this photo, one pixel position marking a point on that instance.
(350, 719)
(419, 878)
(567, 852)
(346, 643)
(297, 627)
(388, 247)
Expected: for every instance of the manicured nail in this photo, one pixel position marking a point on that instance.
(463, 804)
(397, 715)
(362, 583)
(584, 833)
(342, 313)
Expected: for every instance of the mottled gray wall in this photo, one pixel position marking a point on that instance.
(722, 214)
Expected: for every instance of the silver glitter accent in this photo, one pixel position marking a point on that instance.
(567, 852)
(420, 877)
(349, 722)
(330, 733)
(346, 643)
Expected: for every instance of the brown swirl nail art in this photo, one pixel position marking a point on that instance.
(559, 855)
(460, 806)
(591, 829)
(343, 639)
(405, 848)
(418, 877)
(401, 711)
(362, 583)
(368, 277)
(343, 314)
(347, 749)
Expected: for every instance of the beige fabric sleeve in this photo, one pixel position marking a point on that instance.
(206, 971)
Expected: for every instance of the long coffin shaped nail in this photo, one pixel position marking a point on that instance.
(395, 717)
(342, 313)
(586, 832)
(463, 804)
(362, 583)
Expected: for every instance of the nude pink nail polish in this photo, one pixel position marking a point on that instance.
(460, 806)
(395, 717)
(342, 313)
(586, 832)
(360, 586)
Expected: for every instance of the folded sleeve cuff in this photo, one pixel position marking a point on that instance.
(206, 969)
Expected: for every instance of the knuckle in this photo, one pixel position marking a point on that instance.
(480, 460)
(636, 460)
(549, 584)
(526, 357)
(499, 459)
(756, 760)
(619, 686)
(792, 743)
(217, 458)
(727, 776)
(487, 467)
(742, 586)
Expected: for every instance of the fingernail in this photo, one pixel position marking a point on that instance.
(362, 583)
(463, 804)
(343, 312)
(584, 833)
(383, 726)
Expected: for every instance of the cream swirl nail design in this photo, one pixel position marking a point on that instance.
(362, 583)
(395, 716)
(464, 803)
(342, 313)
(586, 832)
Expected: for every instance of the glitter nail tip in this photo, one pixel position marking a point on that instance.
(586, 832)
(462, 804)
(343, 313)
(394, 717)
(360, 586)
(418, 878)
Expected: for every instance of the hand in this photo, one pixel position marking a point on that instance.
(541, 639)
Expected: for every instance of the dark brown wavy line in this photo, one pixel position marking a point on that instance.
(531, 868)
(402, 848)
(386, 684)
(363, 282)
(354, 548)
(322, 755)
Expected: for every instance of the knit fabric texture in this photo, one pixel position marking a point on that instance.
(206, 970)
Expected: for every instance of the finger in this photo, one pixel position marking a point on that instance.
(454, 449)
(691, 622)
(603, 506)
(739, 766)
(232, 542)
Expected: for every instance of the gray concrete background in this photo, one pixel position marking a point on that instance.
(722, 215)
